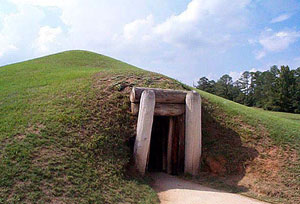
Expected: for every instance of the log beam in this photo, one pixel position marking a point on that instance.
(161, 95)
(193, 133)
(162, 109)
(144, 128)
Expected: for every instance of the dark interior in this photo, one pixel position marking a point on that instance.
(158, 144)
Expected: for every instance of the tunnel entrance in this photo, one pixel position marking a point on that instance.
(168, 132)
(159, 144)
(167, 145)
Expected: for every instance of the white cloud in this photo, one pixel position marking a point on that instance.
(6, 46)
(275, 41)
(130, 31)
(281, 18)
(278, 41)
(37, 2)
(190, 38)
(20, 29)
(204, 22)
(47, 37)
(93, 24)
(235, 75)
(260, 54)
(205, 27)
(253, 70)
(139, 28)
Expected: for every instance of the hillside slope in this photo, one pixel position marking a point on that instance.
(65, 132)
(251, 151)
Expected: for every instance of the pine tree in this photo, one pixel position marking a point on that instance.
(286, 84)
(245, 87)
(296, 94)
(275, 89)
(206, 85)
(224, 87)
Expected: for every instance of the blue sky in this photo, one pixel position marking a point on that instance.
(180, 38)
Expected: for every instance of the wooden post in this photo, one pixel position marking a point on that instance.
(192, 133)
(181, 124)
(175, 145)
(169, 153)
(144, 128)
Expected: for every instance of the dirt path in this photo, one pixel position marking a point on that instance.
(173, 190)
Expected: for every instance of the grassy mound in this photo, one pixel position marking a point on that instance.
(65, 129)
(256, 151)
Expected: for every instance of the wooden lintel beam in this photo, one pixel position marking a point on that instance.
(162, 109)
(161, 95)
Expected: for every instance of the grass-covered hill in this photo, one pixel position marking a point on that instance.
(66, 127)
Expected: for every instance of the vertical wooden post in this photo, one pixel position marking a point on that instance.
(169, 153)
(175, 146)
(181, 129)
(192, 133)
(144, 128)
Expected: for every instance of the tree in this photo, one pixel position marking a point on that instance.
(286, 84)
(244, 84)
(256, 86)
(224, 87)
(296, 92)
(275, 89)
(237, 95)
(206, 85)
(269, 89)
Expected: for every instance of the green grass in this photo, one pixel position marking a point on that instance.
(289, 116)
(65, 129)
(284, 128)
(44, 157)
(249, 133)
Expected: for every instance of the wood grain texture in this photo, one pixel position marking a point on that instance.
(162, 109)
(181, 133)
(144, 128)
(161, 95)
(192, 133)
(175, 139)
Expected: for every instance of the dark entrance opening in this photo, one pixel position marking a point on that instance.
(158, 144)
(167, 148)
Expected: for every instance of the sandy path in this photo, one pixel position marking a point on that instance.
(174, 190)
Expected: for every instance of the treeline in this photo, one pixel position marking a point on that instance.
(275, 89)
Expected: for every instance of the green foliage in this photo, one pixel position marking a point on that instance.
(224, 87)
(206, 84)
(275, 89)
